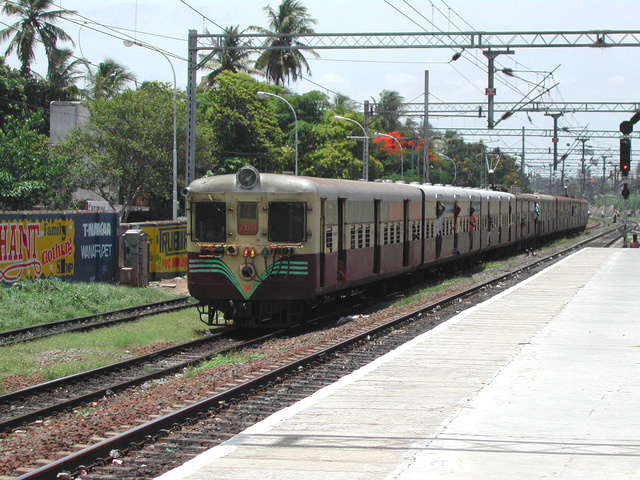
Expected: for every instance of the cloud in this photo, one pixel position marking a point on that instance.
(331, 80)
(401, 78)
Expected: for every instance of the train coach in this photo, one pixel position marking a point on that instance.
(264, 248)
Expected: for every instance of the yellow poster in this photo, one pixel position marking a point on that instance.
(32, 248)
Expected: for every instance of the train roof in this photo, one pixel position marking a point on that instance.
(284, 183)
(354, 189)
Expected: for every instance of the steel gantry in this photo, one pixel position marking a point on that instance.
(485, 41)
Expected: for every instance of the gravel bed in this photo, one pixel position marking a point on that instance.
(53, 437)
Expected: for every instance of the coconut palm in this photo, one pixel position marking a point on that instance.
(107, 80)
(229, 60)
(283, 59)
(63, 72)
(35, 24)
(388, 108)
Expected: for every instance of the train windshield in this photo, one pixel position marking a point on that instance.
(209, 222)
(287, 222)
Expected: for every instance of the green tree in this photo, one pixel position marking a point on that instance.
(228, 60)
(127, 147)
(388, 109)
(108, 79)
(24, 97)
(334, 155)
(35, 24)
(310, 108)
(343, 104)
(283, 60)
(64, 72)
(29, 174)
(240, 124)
(12, 91)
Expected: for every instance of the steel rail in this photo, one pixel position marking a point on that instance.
(91, 322)
(134, 439)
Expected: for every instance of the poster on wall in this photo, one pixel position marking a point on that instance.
(74, 246)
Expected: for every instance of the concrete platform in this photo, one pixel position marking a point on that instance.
(542, 381)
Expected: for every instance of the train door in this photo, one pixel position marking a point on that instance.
(500, 222)
(376, 235)
(342, 253)
(405, 234)
(423, 227)
(323, 240)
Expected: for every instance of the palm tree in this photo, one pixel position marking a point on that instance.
(108, 79)
(35, 24)
(283, 60)
(64, 73)
(229, 60)
(388, 109)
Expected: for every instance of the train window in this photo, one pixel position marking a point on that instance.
(328, 239)
(367, 236)
(209, 222)
(287, 221)
(248, 218)
(415, 231)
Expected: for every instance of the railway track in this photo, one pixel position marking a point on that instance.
(37, 402)
(249, 395)
(90, 322)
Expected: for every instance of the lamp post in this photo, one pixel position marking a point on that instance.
(455, 168)
(174, 200)
(378, 135)
(264, 95)
(365, 151)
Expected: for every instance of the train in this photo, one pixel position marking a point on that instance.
(264, 249)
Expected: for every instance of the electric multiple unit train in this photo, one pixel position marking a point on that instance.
(264, 248)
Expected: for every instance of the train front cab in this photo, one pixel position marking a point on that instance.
(250, 245)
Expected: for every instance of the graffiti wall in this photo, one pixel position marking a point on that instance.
(76, 246)
(167, 247)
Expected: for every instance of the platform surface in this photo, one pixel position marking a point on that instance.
(541, 381)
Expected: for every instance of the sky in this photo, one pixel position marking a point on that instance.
(581, 74)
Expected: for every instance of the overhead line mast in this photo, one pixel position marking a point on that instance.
(214, 43)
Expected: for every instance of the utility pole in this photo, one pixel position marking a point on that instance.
(426, 127)
(604, 183)
(365, 145)
(583, 140)
(522, 165)
(555, 139)
(491, 90)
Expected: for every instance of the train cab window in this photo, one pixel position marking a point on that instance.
(209, 222)
(287, 222)
(248, 218)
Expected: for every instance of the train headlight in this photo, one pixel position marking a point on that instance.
(247, 177)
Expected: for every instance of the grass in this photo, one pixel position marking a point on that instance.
(219, 360)
(70, 353)
(435, 288)
(32, 302)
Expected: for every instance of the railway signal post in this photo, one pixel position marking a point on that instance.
(626, 128)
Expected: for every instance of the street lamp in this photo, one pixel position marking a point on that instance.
(378, 135)
(174, 200)
(365, 149)
(264, 95)
(455, 169)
